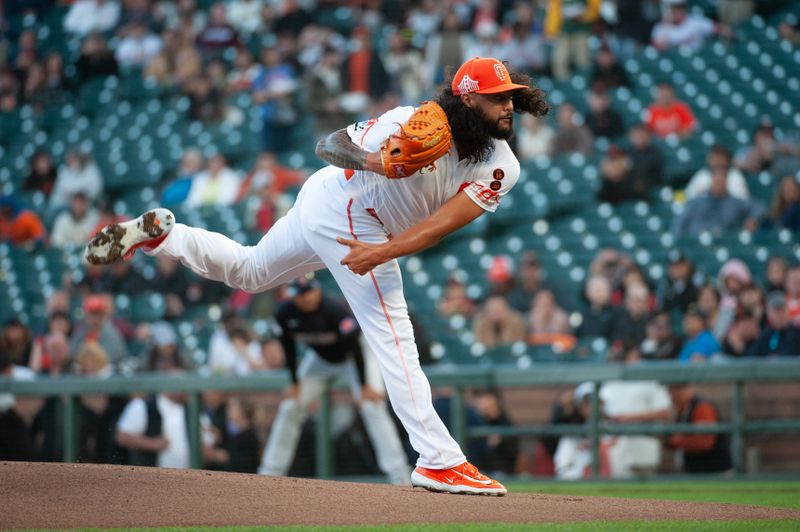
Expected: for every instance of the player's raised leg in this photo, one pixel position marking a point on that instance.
(280, 255)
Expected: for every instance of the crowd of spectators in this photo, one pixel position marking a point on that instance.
(286, 62)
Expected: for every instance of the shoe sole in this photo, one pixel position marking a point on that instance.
(115, 242)
(421, 481)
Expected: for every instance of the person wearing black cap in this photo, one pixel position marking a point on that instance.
(679, 287)
(332, 336)
(779, 337)
(700, 344)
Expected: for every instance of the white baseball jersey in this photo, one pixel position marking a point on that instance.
(402, 203)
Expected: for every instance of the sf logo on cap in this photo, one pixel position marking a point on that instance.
(467, 84)
(500, 70)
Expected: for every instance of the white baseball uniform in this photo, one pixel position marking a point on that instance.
(369, 207)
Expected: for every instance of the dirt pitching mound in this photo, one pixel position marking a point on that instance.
(36, 495)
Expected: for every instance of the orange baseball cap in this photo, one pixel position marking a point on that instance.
(484, 75)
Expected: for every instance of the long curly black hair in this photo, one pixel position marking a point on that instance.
(471, 132)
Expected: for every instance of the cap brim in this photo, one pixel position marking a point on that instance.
(502, 88)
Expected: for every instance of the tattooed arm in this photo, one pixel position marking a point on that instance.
(338, 150)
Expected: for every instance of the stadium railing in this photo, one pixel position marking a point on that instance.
(459, 379)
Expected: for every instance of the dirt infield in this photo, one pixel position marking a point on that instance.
(36, 495)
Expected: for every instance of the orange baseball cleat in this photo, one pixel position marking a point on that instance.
(464, 478)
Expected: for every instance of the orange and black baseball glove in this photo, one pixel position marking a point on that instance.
(424, 138)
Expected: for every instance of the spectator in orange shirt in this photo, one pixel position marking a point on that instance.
(667, 115)
(702, 453)
(19, 226)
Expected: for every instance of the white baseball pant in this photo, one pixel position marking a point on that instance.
(315, 376)
(304, 241)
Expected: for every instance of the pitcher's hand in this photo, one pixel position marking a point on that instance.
(363, 257)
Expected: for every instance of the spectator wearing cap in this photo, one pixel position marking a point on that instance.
(660, 341)
(699, 344)
(496, 323)
(500, 275)
(718, 161)
(530, 280)
(700, 453)
(75, 226)
(20, 226)
(717, 212)
(608, 71)
(679, 287)
(164, 355)
(97, 326)
(572, 455)
(779, 337)
(667, 115)
(568, 23)
(679, 28)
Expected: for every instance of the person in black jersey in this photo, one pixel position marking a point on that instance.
(332, 338)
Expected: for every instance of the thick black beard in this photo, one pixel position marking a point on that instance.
(472, 132)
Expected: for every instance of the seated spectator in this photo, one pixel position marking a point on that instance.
(216, 185)
(164, 353)
(717, 212)
(733, 278)
(742, 334)
(173, 283)
(615, 171)
(232, 350)
(500, 276)
(699, 344)
(572, 135)
(680, 28)
(660, 342)
(50, 353)
(138, 46)
(244, 71)
(18, 341)
(455, 300)
(218, 33)
(37, 90)
(325, 92)
(268, 172)
(534, 138)
(790, 30)
(79, 174)
(95, 59)
(669, 116)
(548, 323)
(496, 323)
(785, 210)
(602, 120)
(97, 325)
(501, 451)
(760, 156)
(242, 445)
(708, 300)
(404, 65)
(42, 175)
(700, 453)
(608, 71)
(680, 286)
(779, 337)
(363, 72)
(28, 54)
(777, 267)
(793, 294)
(10, 95)
(75, 226)
(177, 190)
(87, 16)
(531, 279)
(527, 41)
(206, 102)
(629, 325)
(19, 226)
(599, 317)
(717, 161)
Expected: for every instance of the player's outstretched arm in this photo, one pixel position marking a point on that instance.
(338, 150)
(453, 215)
